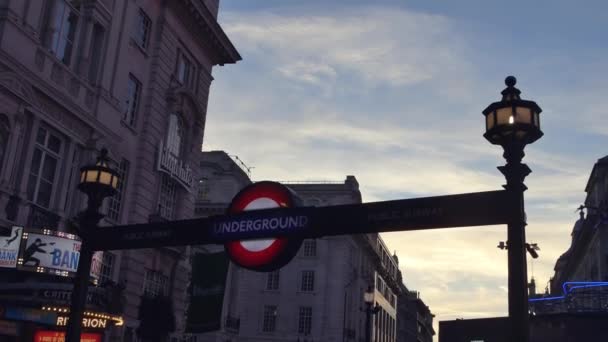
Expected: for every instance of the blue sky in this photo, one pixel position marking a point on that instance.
(392, 92)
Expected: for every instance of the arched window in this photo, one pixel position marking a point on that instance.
(175, 135)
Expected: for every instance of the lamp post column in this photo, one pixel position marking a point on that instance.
(98, 182)
(368, 322)
(88, 220)
(515, 172)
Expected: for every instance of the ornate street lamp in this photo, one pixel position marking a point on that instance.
(513, 123)
(97, 182)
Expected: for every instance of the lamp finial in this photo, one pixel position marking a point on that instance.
(510, 81)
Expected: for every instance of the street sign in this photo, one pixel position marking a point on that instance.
(462, 210)
(264, 254)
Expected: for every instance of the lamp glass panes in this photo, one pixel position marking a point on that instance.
(512, 119)
(99, 176)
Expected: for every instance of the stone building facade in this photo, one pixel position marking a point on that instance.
(587, 257)
(414, 318)
(129, 75)
(318, 296)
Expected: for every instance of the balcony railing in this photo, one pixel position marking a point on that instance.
(42, 218)
(233, 324)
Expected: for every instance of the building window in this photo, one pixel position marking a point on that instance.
(270, 318)
(96, 52)
(61, 28)
(45, 162)
(308, 281)
(107, 268)
(310, 248)
(175, 135)
(203, 189)
(168, 197)
(305, 320)
(115, 202)
(155, 283)
(185, 70)
(272, 282)
(143, 26)
(132, 101)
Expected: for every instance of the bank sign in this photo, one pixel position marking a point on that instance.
(50, 251)
(53, 252)
(9, 248)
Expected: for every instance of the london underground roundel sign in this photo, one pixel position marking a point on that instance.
(263, 255)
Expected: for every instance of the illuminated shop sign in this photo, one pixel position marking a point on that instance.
(59, 336)
(87, 322)
(91, 319)
(54, 252)
(9, 248)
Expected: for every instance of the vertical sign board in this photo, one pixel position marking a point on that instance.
(96, 263)
(206, 291)
(9, 248)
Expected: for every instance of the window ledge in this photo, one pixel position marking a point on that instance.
(139, 47)
(130, 127)
(271, 291)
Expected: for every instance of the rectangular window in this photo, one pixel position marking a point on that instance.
(270, 318)
(308, 281)
(96, 52)
(305, 320)
(168, 197)
(203, 189)
(115, 202)
(272, 282)
(155, 283)
(185, 70)
(107, 268)
(132, 101)
(143, 26)
(45, 161)
(310, 248)
(62, 24)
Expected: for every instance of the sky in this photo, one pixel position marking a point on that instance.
(392, 93)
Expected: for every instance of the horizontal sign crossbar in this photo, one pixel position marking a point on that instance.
(463, 210)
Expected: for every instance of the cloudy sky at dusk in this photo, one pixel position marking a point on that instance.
(392, 92)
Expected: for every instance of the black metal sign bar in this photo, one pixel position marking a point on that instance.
(463, 210)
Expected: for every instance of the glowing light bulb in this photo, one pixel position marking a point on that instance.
(511, 120)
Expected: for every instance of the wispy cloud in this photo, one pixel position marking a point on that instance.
(394, 97)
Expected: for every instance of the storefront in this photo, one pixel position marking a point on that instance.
(36, 270)
(47, 324)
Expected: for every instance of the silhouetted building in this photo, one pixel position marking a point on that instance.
(414, 318)
(563, 327)
(587, 257)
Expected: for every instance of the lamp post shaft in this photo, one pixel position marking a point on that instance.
(368, 322)
(79, 293)
(88, 220)
(515, 173)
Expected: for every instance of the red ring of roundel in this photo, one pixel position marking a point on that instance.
(239, 254)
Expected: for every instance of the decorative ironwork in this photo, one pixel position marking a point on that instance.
(233, 324)
(41, 218)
